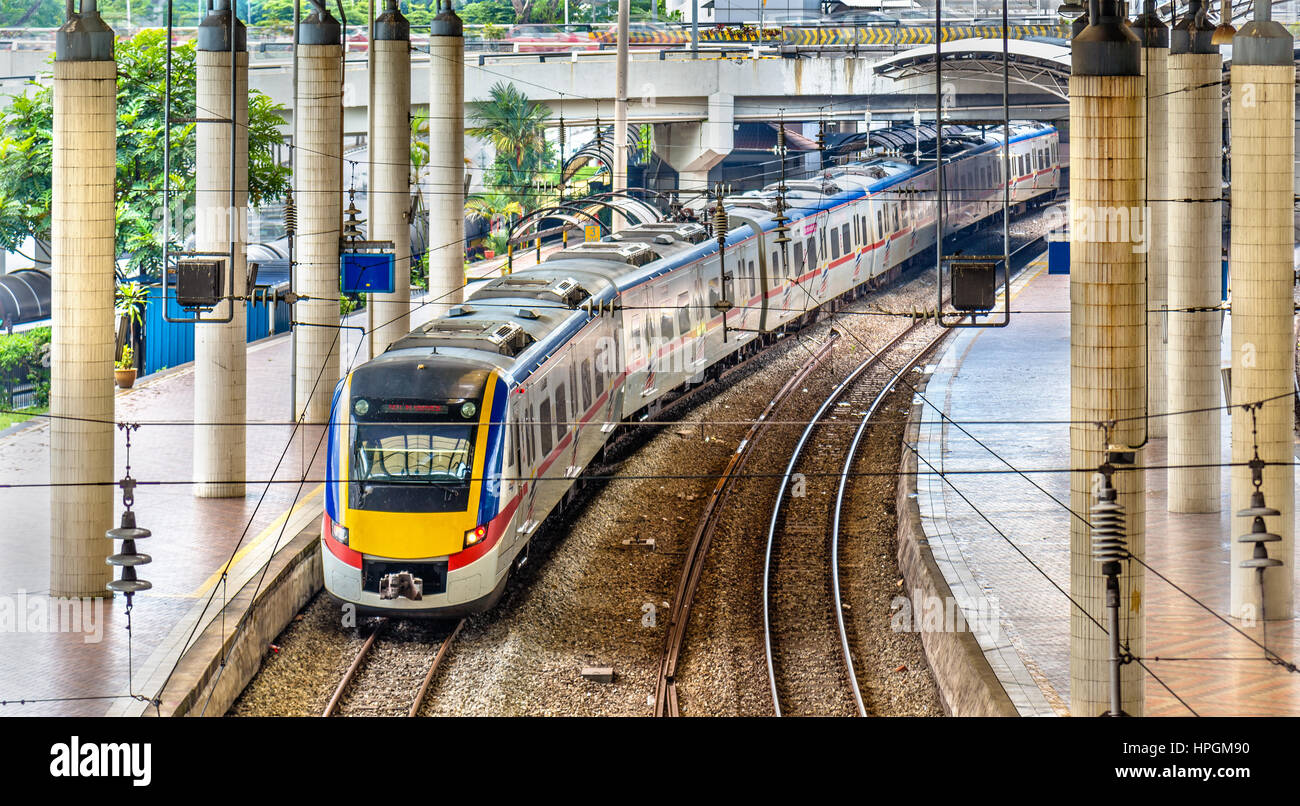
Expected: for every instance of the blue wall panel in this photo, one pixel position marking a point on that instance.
(169, 344)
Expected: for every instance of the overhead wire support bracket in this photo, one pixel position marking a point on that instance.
(203, 280)
(974, 280)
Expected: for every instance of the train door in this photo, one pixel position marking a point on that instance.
(698, 317)
(609, 374)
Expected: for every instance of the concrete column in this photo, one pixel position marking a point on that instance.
(1154, 36)
(220, 350)
(1263, 240)
(446, 199)
(318, 190)
(692, 149)
(1107, 338)
(82, 251)
(692, 182)
(1195, 251)
(390, 170)
(619, 171)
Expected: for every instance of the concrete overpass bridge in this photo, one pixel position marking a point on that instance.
(696, 104)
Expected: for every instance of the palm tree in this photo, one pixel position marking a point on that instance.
(516, 129)
(496, 208)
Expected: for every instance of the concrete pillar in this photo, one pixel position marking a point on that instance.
(693, 182)
(220, 350)
(446, 200)
(692, 149)
(1154, 36)
(1195, 251)
(1263, 241)
(390, 169)
(318, 191)
(1107, 337)
(82, 251)
(619, 178)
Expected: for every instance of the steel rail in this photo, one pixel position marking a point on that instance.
(835, 394)
(433, 669)
(333, 704)
(332, 707)
(839, 506)
(665, 700)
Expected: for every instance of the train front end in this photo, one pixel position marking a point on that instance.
(412, 519)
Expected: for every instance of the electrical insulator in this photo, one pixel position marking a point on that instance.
(127, 558)
(1107, 520)
(720, 222)
(1258, 510)
(290, 216)
(352, 226)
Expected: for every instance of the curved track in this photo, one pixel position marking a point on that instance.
(665, 698)
(809, 651)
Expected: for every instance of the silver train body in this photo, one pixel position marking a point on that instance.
(449, 450)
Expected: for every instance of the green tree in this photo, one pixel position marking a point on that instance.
(496, 208)
(25, 148)
(516, 128)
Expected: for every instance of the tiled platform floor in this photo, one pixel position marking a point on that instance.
(1022, 373)
(78, 673)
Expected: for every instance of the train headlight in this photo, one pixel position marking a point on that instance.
(475, 536)
(361, 407)
(468, 409)
(339, 532)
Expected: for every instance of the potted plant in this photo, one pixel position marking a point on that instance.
(129, 301)
(124, 369)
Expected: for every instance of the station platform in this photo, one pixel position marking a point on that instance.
(1022, 373)
(54, 664)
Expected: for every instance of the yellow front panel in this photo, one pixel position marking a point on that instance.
(410, 535)
(416, 535)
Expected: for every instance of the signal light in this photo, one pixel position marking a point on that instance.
(475, 536)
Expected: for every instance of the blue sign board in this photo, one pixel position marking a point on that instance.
(367, 273)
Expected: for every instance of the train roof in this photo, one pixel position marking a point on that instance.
(513, 323)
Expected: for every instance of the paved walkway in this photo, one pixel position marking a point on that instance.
(85, 672)
(1022, 372)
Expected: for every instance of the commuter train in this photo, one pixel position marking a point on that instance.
(448, 451)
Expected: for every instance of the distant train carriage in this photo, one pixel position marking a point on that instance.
(447, 452)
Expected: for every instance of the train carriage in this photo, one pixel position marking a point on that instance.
(447, 452)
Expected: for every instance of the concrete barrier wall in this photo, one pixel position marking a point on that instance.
(967, 683)
(200, 686)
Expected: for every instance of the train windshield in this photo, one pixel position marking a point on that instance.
(410, 467)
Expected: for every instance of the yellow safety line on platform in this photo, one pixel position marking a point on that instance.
(271, 529)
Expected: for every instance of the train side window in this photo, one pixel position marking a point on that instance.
(666, 326)
(561, 413)
(798, 257)
(546, 423)
(812, 254)
(775, 265)
(683, 312)
(844, 236)
(636, 335)
(713, 292)
(896, 225)
(603, 365)
(753, 280)
(835, 245)
(586, 384)
(880, 224)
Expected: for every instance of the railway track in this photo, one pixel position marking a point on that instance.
(349, 698)
(665, 699)
(809, 648)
